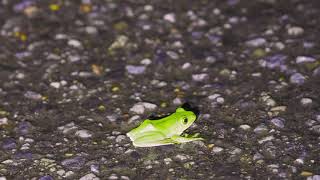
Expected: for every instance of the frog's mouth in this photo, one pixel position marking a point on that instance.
(188, 106)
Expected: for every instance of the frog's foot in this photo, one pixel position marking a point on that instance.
(191, 136)
(179, 139)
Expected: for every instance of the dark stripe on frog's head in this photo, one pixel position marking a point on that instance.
(188, 106)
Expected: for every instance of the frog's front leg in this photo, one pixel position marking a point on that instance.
(179, 139)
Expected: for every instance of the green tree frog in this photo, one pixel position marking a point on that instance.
(164, 131)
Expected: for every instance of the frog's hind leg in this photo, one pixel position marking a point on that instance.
(150, 139)
(144, 125)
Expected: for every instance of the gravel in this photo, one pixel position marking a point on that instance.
(76, 76)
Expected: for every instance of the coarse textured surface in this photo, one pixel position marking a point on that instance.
(77, 75)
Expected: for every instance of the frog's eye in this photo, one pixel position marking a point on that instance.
(185, 120)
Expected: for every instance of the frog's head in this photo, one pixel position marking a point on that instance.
(185, 118)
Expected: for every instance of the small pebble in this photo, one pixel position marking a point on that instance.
(299, 161)
(186, 65)
(74, 43)
(170, 17)
(304, 59)
(316, 129)
(277, 122)
(113, 177)
(141, 107)
(167, 161)
(55, 85)
(244, 127)
(306, 101)
(32, 95)
(316, 72)
(217, 149)
(314, 177)
(256, 42)
(83, 134)
(68, 128)
(145, 61)
(91, 30)
(90, 176)
(295, 31)
(120, 138)
(211, 59)
(297, 78)
(94, 168)
(265, 139)
(135, 69)
(181, 157)
(200, 77)
(3, 121)
(261, 129)
(177, 101)
(47, 177)
(75, 163)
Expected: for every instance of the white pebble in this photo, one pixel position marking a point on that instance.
(90, 176)
(131, 69)
(91, 30)
(256, 42)
(295, 31)
(306, 101)
(83, 134)
(74, 43)
(214, 96)
(148, 7)
(146, 61)
(200, 77)
(120, 138)
(149, 106)
(170, 17)
(55, 85)
(32, 95)
(315, 177)
(304, 59)
(186, 65)
(211, 59)
(299, 161)
(133, 118)
(167, 160)
(137, 108)
(140, 107)
(220, 100)
(3, 121)
(177, 101)
(216, 150)
(244, 127)
(265, 139)
(181, 157)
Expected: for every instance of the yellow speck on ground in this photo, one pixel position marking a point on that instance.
(96, 69)
(54, 7)
(163, 104)
(115, 89)
(101, 108)
(20, 35)
(85, 8)
(210, 146)
(44, 98)
(68, 154)
(306, 173)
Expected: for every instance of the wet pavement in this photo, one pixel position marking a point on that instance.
(77, 75)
